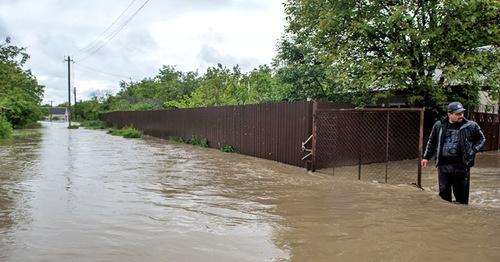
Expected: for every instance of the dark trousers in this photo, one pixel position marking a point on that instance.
(454, 176)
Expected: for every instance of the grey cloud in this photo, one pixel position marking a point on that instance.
(3, 30)
(211, 57)
(53, 29)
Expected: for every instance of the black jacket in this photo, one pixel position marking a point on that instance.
(470, 136)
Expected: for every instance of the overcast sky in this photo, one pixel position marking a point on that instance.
(114, 40)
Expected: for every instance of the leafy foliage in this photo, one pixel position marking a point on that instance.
(227, 149)
(193, 141)
(220, 86)
(170, 86)
(433, 50)
(94, 124)
(126, 132)
(19, 89)
(174, 89)
(5, 128)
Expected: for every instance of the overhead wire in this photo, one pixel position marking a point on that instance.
(94, 42)
(98, 43)
(115, 32)
(106, 73)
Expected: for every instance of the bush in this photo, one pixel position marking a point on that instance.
(131, 132)
(194, 140)
(126, 132)
(227, 149)
(204, 143)
(94, 124)
(178, 139)
(5, 128)
(115, 131)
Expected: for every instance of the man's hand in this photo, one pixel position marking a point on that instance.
(424, 163)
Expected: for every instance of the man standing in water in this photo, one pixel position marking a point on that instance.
(455, 141)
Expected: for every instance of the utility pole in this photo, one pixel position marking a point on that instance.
(51, 110)
(75, 101)
(69, 90)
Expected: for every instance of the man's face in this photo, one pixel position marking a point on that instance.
(456, 117)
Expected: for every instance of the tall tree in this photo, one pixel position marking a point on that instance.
(300, 72)
(220, 86)
(176, 84)
(19, 89)
(263, 85)
(170, 86)
(429, 49)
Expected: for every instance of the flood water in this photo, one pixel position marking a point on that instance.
(84, 195)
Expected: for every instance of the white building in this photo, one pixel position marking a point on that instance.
(57, 113)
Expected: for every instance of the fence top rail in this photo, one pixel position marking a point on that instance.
(483, 113)
(217, 107)
(374, 109)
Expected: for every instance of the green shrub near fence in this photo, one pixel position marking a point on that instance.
(193, 141)
(5, 128)
(94, 124)
(227, 149)
(126, 132)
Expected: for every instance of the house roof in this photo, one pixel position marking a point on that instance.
(57, 110)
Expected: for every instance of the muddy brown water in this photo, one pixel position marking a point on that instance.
(84, 195)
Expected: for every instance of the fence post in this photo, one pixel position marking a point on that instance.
(314, 119)
(360, 144)
(420, 148)
(387, 144)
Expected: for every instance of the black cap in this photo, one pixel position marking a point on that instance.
(455, 107)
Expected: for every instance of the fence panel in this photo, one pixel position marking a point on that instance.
(376, 145)
(490, 126)
(272, 131)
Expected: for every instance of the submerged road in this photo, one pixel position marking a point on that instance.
(84, 195)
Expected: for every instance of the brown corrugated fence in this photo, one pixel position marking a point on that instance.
(490, 126)
(272, 131)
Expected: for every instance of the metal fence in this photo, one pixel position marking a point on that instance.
(490, 126)
(271, 131)
(381, 145)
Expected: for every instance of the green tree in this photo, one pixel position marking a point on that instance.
(19, 89)
(146, 88)
(87, 110)
(428, 49)
(263, 85)
(221, 86)
(169, 86)
(175, 84)
(301, 73)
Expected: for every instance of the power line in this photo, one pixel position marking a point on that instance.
(94, 43)
(106, 73)
(115, 32)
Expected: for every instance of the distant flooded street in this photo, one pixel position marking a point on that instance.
(84, 195)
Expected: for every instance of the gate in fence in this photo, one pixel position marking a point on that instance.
(383, 145)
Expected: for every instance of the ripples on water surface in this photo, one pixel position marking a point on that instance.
(84, 195)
